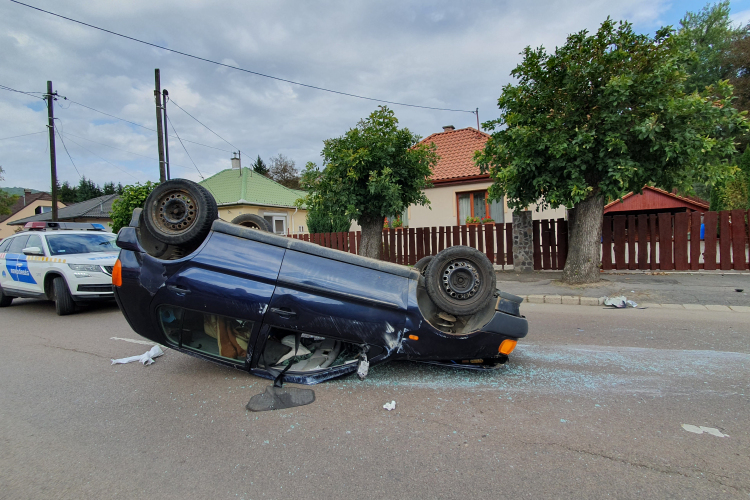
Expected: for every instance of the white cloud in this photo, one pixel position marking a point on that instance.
(443, 54)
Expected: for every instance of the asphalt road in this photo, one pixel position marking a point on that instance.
(591, 405)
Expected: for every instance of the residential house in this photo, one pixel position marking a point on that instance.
(652, 201)
(95, 210)
(243, 191)
(459, 188)
(28, 204)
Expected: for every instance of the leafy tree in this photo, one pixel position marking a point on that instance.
(372, 171)
(321, 221)
(119, 188)
(282, 171)
(87, 190)
(109, 188)
(67, 194)
(133, 196)
(6, 200)
(260, 167)
(738, 63)
(604, 115)
(707, 37)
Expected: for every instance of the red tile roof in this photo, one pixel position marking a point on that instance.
(456, 150)
(654, 198)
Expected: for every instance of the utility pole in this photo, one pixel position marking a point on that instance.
(159, 129)
(477, 113)
(165, 96)
(52, 159)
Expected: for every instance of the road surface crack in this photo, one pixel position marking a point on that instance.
(75, 350)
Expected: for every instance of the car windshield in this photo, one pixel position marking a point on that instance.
(67, 244)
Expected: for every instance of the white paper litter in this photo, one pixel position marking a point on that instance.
(390, 406)
(363, 368)
(146, 358)
(619, 302)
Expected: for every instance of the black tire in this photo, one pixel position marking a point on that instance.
(460, 280)
(422, 264)
(180, 212)
(5, 300)
(64, 304)
(252, 221)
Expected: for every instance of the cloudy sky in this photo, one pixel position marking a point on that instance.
(441, 54)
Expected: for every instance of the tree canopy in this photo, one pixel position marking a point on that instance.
(603, 115)
(374, 170)
(132, 196)
(6, 200)
(260, 166)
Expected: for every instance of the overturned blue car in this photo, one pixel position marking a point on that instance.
(236, 294)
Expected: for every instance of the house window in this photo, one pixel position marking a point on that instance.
(476, 204)
(277, 222)
(42, 210)
(404, 219)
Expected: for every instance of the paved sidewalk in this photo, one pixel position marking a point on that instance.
(705, 288)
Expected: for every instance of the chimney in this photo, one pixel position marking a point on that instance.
(448, 128)
(235, 162)
(26, 192)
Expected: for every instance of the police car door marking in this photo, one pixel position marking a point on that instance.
(20, 272)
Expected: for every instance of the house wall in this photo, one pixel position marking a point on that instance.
(27, 211)
(295, 219)
(443, 209)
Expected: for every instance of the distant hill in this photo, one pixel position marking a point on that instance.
(17, 190)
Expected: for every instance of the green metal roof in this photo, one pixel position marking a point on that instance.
(234, 187)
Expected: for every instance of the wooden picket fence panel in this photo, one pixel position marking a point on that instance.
(672, 242)
(408, 245)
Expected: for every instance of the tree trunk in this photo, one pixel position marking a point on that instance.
(372, 236)
(584, 242)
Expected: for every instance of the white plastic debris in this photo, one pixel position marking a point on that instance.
(619, 302)
(390, 406)
(700, 430)
(363, 368)
(146, 358)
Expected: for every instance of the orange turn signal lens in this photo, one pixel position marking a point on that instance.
(117, 274)
(413, 337)
(507, 346)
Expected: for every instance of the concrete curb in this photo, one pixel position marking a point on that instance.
(599, 301)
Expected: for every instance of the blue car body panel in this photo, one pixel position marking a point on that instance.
(282, 283)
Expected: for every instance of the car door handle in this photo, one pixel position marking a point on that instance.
(178, 289)
(284, 312)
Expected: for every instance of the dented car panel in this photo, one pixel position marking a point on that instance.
(244, 297)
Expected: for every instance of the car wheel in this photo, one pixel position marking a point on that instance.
(180, 212)
(460, 280)
(5, 300)
(422, 264)
(63, 301)
(252, 221)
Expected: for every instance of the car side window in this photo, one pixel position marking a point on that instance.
(35, 241)
(18, 244)
(4, 245)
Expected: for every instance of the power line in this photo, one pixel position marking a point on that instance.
(186, 151)
(3, 87)
(66, 150)
(23, 135)
(194, 118)
(142, 126)
(103, 159)
(237, 67)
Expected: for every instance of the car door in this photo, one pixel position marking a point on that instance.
(345, 301)
(16, 265)
(213, 304)
(36, 264)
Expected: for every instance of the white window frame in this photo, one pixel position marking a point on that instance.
(283, 216)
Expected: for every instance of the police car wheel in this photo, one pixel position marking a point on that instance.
(5, 300)
(63, 301)
(179, 212)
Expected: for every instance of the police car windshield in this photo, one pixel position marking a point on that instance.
(68, 244)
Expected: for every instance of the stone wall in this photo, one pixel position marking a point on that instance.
(523, 239)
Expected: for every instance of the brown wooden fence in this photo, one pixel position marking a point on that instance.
(408, 245)
(672, 242)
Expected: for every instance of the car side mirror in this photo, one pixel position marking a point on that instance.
(33, 251)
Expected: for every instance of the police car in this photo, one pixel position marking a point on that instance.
(62, 261)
